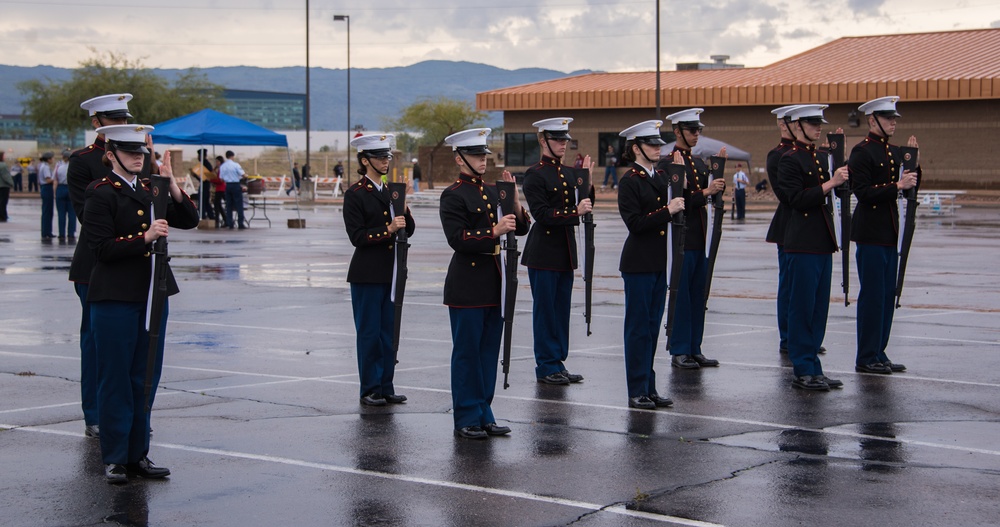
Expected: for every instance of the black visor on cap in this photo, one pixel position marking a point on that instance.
(129, 146)
(474, 150)
(691, 125)
(887, 113)
(561, 135)
(380, 153)
(115, 114)
(651, 140)
(814, 119)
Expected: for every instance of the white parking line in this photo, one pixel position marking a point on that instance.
(594, 507)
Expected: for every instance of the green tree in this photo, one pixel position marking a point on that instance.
(435, 119)
(56, 105)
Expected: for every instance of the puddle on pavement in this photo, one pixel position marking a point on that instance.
(329, 275)
(883, 445)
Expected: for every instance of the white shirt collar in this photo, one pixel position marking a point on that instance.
(376, 182)
(131, 184)
(649, 170)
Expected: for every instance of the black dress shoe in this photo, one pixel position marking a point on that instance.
(91, 431)
(115, 473)
(470, 432)
(684, 362)
(660, 402)
(875, 367)
(573, 377)
(822, 350)
(808, 382)
(494, 429)
(832, 383)
(555, 378)
(373, 399)
(704, 361)
(146, 469)
(894, 367)
(641, 402)
(394, 398)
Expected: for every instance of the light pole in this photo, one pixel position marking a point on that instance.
(347, 18)
(307, 86)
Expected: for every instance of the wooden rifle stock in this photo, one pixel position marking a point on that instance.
(909, 155)
(160, 188)
(677, 175)
(397, 197)
(717, 169)
(506, 191)
(843, 192)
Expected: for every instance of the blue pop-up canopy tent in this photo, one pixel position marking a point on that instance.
(209, 127)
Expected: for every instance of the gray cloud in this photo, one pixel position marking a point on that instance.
(609, 35)
(865, 6)
(800, 33)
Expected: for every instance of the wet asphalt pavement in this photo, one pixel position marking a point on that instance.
(257, 413)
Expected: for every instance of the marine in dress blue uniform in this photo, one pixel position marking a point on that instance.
(809, 244)
(85, 167)
(550, 252)
(689, 317)
(645, 207)
(776, 230)
(371, 225)
(473, 226)
(876, 180)
(121, 230)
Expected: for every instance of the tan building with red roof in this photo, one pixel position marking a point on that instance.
(949, 83)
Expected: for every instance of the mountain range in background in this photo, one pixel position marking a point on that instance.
(377, 94)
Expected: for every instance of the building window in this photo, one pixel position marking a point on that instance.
(521, 150)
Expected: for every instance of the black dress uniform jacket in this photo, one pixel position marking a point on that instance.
(776, 231)
(642, 203)
(468, 214)
(874, 166)
(695, 214)
(801, 174)
(550, 190)
(366, 215)
(85, 167)
(117, 218)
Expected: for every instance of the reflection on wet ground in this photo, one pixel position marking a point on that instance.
(328, 275)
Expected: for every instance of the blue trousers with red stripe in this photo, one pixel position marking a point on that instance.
(475, 334)
(122, 355)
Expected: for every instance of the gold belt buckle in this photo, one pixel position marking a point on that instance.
(496, 250)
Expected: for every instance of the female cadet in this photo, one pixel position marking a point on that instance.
(644, 204)
(371, 225)
(473, 225)
(689, 319)
(120, 226)
(809, 244)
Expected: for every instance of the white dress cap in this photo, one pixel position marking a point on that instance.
(373, 143)
(645, 132)
(882, 105)
(114, 105)
(780, 113)
(808, 113)
(127, 137)
(686, 116)
(555, 128)
(472, 141)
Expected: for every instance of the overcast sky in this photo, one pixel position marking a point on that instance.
(565, 35)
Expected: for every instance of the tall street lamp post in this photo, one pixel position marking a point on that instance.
(347, 18)
(307, 87)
